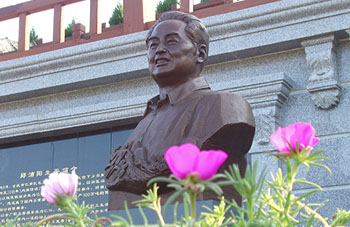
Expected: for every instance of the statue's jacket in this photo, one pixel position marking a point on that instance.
(190, 113)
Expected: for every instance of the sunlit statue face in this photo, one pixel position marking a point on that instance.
(172, 56)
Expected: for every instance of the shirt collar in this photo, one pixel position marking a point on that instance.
(177, 94)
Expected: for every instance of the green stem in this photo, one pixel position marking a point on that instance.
(81, 223)
(102, 220)
(73, 208)
(318, 216)
(250, 209)
(55, 216)
(193, 197)
(159, 213)
(291, 179)
(49, 218)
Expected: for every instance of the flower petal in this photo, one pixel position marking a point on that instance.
(181, 159)
(73, 184)
(278, 139)
(47, 194)
(58, 186)
(63, 179)
(208, 163)
(300, 132)
(314, 141)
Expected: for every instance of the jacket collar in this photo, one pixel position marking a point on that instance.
(175, 95)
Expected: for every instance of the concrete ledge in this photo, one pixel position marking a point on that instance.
(120, 101)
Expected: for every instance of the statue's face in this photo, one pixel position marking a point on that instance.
(172, 56)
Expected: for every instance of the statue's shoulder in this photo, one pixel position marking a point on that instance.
(222, 115)
(226, 107)
(225, 98)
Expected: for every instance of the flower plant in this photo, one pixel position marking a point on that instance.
(266, 202)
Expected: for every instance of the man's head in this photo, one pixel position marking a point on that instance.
(177, 48)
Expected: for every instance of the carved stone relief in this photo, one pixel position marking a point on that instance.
(321, 59)
(265, 124)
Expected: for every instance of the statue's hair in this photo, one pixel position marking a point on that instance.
(195, 29)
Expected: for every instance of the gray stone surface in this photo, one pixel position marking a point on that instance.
(336, 151)
(343, 55)
(300, 107)
(337, 197)
(291, 63)
(77, 108)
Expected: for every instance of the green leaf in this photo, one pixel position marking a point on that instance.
(224, 183)
(218, 176)
(175, 212)
(214, 187)
(177, 186)
(120, 219)
(127, 212)
(160, 179)
(186, 199)
(322, 166)
(306, 195)
(301, 181)
(314, 154)
(172, 198)
(143, 216)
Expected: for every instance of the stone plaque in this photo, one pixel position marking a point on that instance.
(24, 168)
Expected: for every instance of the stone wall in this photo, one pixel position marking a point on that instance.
(289, 59)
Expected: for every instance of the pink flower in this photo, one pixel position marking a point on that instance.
(300, 132)
(187, 158)
(59, 185)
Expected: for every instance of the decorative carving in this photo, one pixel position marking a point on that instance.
(325, 94)
(321, 68)
(265, 125)
(323, 85)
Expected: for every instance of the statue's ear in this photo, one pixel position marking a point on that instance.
(202, 53)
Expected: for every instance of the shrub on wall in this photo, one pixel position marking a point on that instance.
(69, 29)
(117, 15)
(165, 5)
(33, 37)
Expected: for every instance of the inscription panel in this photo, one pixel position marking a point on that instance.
(24, 168)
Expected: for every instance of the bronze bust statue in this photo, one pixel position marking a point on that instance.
(186, 110)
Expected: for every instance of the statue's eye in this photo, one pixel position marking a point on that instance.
(172, 42)
(152, 46)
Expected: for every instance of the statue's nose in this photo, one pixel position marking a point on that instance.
(160, 49)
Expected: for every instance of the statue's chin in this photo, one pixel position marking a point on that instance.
(163, 71)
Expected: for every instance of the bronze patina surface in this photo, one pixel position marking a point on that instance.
(186, 110)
